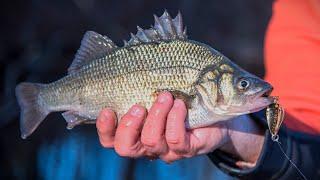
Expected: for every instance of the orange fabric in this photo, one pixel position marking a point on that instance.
(292, 60)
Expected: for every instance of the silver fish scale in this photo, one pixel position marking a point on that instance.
(129, 75)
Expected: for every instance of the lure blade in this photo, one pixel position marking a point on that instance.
(275, 116)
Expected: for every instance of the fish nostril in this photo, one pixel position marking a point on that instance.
(268, 87)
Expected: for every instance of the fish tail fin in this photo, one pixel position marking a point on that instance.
(32, 111)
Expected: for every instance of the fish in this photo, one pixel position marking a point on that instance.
(156, 59)
(275, 116)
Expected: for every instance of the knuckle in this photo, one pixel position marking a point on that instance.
(122, 151)
(179, 148)
(157, 113)
(128, 122)
(173, 140)
(154, 114)
(125, 117)
(149, 141)
(172, 137)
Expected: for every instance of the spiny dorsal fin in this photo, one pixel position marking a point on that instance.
(165, 28)
(93, 45)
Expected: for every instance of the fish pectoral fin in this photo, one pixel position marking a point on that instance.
(73, 119)
(177, 95)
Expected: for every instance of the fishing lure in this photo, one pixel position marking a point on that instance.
(275, 116)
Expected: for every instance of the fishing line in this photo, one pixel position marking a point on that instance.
(275, 116)
(275, 138)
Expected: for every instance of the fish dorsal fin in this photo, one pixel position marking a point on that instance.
(165, 28)
(93, 45)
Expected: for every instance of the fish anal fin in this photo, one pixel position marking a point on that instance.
(73, 119)
(93, 46)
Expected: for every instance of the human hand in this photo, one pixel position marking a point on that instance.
(161, 133)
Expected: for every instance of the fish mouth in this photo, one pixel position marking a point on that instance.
(263, 99)
(265, 93)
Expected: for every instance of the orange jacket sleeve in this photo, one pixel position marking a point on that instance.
(292, 61)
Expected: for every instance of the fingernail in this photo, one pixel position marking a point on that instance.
(105, 116)
(162, 98)
(103, 119)
(136, 111)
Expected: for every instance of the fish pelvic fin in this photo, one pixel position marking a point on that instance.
(33, 110)
(73, 119)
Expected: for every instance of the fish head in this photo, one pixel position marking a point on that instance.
(248, 93)
(228, 91)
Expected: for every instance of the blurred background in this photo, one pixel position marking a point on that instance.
(38, 41)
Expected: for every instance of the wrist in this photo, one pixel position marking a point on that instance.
(245, 139)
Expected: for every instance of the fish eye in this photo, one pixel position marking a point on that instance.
(243, 84)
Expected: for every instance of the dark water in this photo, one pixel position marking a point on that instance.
(38, 41)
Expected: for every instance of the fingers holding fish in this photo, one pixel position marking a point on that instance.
(176, 135)
(175, 139)
(160, 133)
(127, 138)
(106, 127)
(153, 131)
